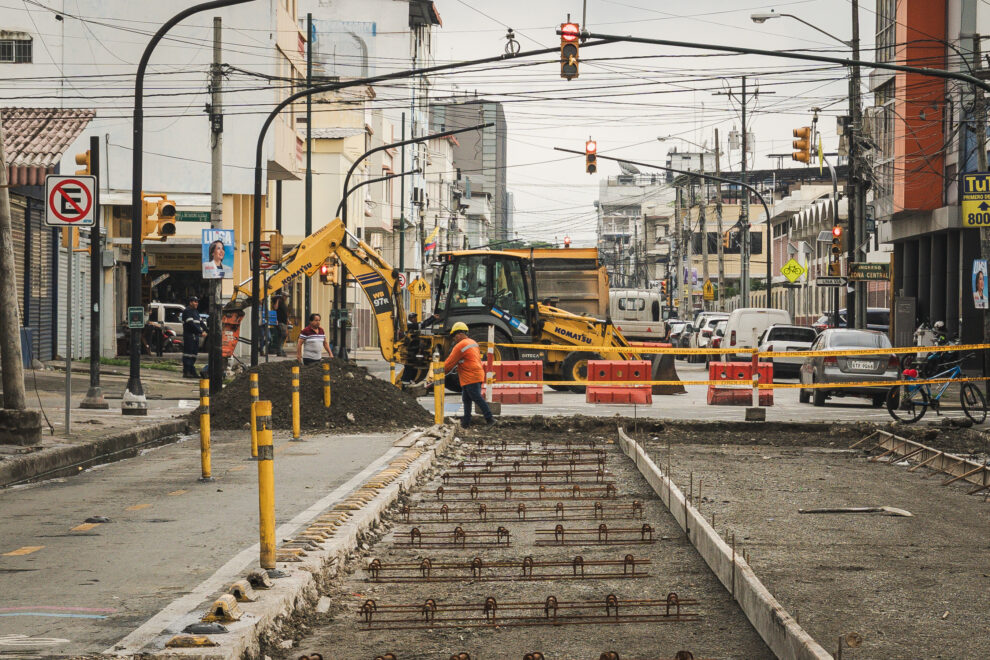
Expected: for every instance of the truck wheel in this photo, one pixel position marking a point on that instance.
(576, 368)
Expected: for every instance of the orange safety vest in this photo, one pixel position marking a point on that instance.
(466, 356)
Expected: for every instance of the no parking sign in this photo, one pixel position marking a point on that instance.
(69, 200)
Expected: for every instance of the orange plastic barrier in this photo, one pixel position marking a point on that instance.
(612, 370)
(531, 370)
(738, 395)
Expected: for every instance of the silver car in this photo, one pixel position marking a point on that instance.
(842, 369)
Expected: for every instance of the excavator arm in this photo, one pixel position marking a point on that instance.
(377, 279)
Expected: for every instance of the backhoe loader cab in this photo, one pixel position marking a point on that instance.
(482, 288)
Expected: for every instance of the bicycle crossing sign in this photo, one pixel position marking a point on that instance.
(69, 200)
(792, 270)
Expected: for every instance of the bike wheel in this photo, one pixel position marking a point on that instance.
(974, 404)
(907, 405)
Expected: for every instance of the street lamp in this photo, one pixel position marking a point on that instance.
(763, 17)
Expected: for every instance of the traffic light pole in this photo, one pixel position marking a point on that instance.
(855, 298)
(331, 87)
(94, 396)
(133, 401)
(215, 361)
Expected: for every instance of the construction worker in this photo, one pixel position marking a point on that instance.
(466, 357)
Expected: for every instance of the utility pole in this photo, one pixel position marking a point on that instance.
(688, 251)
(855, 298)
(402, 201)
(94, 396)
(981, 155)
(718, 220)
(744, 242)
(308, 281)
(683, 279)
(215, 356)
(10, 317)
(701, 228)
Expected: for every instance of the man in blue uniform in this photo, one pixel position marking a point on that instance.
(192, 330)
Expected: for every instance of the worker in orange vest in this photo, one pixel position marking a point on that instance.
(466, 357)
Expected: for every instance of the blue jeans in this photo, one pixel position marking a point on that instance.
(471, 393)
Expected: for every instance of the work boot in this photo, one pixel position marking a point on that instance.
(491, 422)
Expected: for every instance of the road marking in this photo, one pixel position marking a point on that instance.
(26, 550)
(24, 640)
(137, 507)
(59, 608)
(238, 468)
(179, 492)
(182, 606)
(85, 527)
(57, 615)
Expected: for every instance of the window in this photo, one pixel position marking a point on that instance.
(632, 304)
(510, 287)
(17, 51)
(173, 315)
(792, 334)
(470, 283)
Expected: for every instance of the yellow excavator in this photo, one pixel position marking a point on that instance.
(478, 287)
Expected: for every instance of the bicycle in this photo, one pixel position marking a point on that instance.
(911, 405)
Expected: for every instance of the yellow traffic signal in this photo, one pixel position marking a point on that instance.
(835, 269)
(275, 246)
(328, 272)
(70, 237)
(569, 33)
(802, 145)
(166, 218)
(84, 160)
(590, 156)
(157, 217)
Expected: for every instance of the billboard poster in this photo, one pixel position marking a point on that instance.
(980, 283)
(218, 254)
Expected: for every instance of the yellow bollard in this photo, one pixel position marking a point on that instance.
(326, 384)
(438, 392)
(253, 378)
(204, 429)
(262, 412)
(295, 404)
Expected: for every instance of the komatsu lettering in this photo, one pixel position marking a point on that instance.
(573, 335)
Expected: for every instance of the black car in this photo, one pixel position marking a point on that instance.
(877, 318)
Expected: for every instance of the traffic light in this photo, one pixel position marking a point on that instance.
(166, 218)
(327, 272)
(157, 217)
(275, 246)
(802, 145)
(663, 288)
(836, 242)
(70, 237)
(835, 269)
(590, 156)
(84, 160)
(569, 33)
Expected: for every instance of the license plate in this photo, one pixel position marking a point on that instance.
(862, 364)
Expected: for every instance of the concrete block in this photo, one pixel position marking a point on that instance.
(20, 427)
(756, 414)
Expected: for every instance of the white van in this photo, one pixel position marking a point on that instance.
(746, 324)
(637, 314)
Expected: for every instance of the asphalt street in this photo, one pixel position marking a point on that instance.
(71, 587)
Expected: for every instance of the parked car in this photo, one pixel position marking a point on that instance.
(841, 369)
(166, 314)
(779, 337)
(704, 327)
(718, 332)
(680, 335)
(745, 325)
(877, 318)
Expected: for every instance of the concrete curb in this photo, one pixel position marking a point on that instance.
(66, 460)
(781, 632)
(263, 619)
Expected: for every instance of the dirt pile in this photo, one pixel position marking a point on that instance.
(359, 401)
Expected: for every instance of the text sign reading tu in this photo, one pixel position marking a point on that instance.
(69, 200)
(975, 199)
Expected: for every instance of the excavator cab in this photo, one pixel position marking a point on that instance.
(483, 288)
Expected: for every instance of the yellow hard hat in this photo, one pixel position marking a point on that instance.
(460, 326)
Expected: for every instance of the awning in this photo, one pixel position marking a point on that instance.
(36, 138)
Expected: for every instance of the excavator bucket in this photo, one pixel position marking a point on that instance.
(231, 323)
(663, 369)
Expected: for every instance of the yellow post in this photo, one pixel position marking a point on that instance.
(438, 392)
(204, 429)
(326, 384)
(253, 378)
(295, 404)
(262, 412)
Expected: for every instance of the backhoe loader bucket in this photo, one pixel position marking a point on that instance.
(231, 324)
(663, 369)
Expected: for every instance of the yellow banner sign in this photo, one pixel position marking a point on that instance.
(975, 199)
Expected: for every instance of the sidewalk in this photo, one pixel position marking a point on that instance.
(96, 436)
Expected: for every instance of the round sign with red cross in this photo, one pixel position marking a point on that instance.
(69, 200)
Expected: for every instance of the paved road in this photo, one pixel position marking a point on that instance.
(692, 405)
(91, 585)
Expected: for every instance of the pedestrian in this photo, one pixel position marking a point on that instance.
(312, 342)
(281, 330)
(192, 330)
(466, 357)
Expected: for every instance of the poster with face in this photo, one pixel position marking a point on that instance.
(980, 283)
(218, 254)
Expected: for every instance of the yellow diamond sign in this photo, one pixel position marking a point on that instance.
(792, 270)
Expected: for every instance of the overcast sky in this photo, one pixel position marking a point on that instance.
(628, 95)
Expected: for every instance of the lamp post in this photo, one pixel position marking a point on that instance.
(855, 300)
(133, 401)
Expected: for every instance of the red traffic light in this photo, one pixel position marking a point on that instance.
(567, 241)
(590, 147)
(569, 32)
(324, 269)
(836, 231)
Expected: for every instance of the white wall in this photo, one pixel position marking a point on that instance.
(99, 55)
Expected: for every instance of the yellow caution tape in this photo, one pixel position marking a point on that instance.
(748, 384)
(740, 350)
